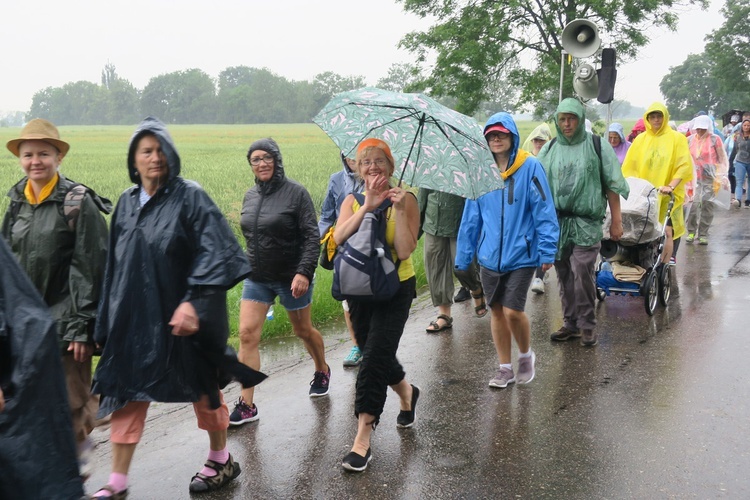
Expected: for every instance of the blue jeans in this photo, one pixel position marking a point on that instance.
(740, 171)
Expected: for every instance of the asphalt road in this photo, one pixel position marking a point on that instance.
(659, 409)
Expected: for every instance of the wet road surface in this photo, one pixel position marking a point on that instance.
(659, 409)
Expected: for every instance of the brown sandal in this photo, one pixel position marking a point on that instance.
(481, 309)
(436, 327)
(115, 495)
(224, 474)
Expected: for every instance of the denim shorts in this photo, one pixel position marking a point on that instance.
(266, 293)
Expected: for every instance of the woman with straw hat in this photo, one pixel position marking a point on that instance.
(63, 251)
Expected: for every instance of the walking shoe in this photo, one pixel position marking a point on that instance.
(690, 238)
(243, 413)
(319, 384)
(736, 203)
(537, 285)
(406, 418)
(564, 334)
(355, 462)
(672, 261)
(526, 370)
(354, 358)
(462, 296)
(589, 338)
(747, 203)
(502, 378)
(703, 240)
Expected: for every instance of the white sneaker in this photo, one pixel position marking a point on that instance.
(736, 203)
(537, 286)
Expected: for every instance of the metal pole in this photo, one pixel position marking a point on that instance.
(562, 73)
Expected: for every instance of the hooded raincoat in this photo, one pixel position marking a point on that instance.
(579, 180)
(541, 131)
(340, 185)
(177, 247)
(513, 227)
(660, 156)
(622, 149)
(37, 448)
(279, 224)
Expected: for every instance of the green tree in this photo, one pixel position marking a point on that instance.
(728, 48)
(181, 97)
(328, 84)
(483, 45)
(401, 77)
(252, 95)
(690, 87)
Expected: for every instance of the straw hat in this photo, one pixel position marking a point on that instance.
(41, 130)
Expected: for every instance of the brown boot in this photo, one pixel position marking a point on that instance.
(589, 338)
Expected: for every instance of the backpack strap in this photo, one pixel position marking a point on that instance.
(382, 208)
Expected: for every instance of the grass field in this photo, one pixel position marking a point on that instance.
(214, 156)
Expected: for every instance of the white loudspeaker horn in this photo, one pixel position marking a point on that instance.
(586, 82)
(580, 38)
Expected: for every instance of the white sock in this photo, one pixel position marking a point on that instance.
(508, 366)
(524, 354)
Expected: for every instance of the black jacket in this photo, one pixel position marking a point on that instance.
(177, 247)
(280, 227)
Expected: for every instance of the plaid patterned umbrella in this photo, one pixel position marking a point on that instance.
(434, 146)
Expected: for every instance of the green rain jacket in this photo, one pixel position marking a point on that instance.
(441, 212)
(575, 176)
(65, 265)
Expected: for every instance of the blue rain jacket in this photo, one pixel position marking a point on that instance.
(513, 227)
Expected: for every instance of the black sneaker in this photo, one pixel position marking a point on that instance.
(355, 462)
(462, 295)
(406, 418)
(564, 334)
(320, 383)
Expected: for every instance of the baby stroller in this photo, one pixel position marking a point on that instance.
(641, 245)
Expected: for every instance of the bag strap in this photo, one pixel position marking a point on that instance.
(72, 205)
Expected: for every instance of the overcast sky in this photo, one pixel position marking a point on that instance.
(50, 43)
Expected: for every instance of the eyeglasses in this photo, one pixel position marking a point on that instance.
(498, 136)
(380, 162)
(257, 159)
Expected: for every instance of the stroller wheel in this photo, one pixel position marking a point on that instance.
(649, 292)
(665, 284)
(601, 294)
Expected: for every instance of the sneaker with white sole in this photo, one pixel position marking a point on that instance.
(526, 370)
(537, 285)
(354, 358)
(502, 378)
(320, 383)
(703, 240)
(690, 238)
(736, 203)
(243, 413)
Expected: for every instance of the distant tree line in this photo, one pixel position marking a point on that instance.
(718, 79)
(241, 94)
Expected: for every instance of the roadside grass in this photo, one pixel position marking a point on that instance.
(215, 157)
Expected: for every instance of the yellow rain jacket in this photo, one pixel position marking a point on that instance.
(660, 156)
(542, 131)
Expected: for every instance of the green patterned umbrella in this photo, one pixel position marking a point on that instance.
(434, 146)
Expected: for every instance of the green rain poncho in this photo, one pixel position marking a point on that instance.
(575, 180)
(660, 156)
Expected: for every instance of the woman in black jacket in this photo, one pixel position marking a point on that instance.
(280, 227)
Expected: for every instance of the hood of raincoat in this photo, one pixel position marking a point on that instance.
(36, 433)
(153, 126)
(269, 145)
(506, 121)
(617, 128)
(542, 131)
(574, 107)
(665, 128)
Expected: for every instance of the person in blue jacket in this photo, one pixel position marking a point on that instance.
(340, 185)
(513, 231)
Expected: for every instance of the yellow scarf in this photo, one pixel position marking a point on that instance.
(28, 191)
(520, 158)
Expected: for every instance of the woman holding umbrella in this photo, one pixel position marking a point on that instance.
(379, 325)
